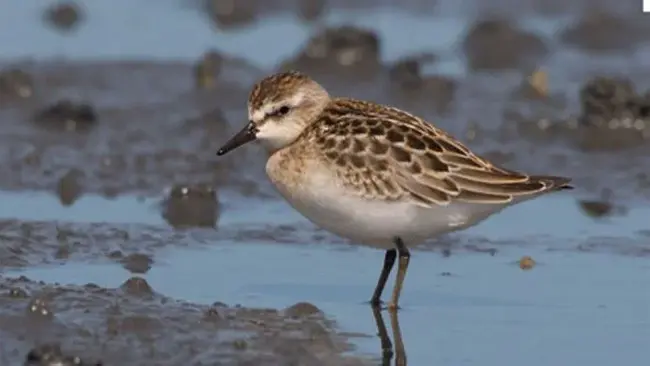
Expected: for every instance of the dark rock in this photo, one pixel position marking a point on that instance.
(311, 10)
(231, 13)
(191, 206)
(67, 116)
(605, 99)
(596, 209)
(406, 73)
(18, 293)
(440, 90)
(344, 49)
(409, 86)
(69, 188)
(51, 355)
(613, 116)
(63, 16)
(137, 286)
(15, 83)
(137, 263)
(496, 44)
(598, 31)
(302, 309)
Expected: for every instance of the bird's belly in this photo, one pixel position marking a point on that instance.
(371, 222)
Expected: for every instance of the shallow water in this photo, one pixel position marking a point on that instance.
(572, 309)
(129, 209)
(563, 312)
(130, 30)
(485, 309)
(554, 217)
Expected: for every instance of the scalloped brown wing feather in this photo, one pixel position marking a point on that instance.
(385, 153)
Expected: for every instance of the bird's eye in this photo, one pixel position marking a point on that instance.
(283, 110)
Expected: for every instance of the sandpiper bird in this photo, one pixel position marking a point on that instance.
(372, 173)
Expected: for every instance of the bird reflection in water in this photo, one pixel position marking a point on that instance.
(388, 351)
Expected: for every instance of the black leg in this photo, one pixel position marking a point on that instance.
(402, 266)
(389, 261)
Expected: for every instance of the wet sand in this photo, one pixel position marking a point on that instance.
(126, 241)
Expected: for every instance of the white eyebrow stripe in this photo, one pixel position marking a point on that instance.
(261, 113)
(270, 108)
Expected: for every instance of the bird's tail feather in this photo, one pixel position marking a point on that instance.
(553, 183)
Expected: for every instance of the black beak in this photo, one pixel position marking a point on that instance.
(247, 134)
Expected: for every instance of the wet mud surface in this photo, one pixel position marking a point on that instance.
(124, 240)
(133, 324)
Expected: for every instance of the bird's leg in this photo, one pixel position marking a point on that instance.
(402, 266)
(389, 261)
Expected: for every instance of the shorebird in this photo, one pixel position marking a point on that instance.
(372, 173)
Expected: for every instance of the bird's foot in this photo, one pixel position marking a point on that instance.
(392, 307)
(378, 304)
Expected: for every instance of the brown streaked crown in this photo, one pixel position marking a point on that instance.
(275, 88)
